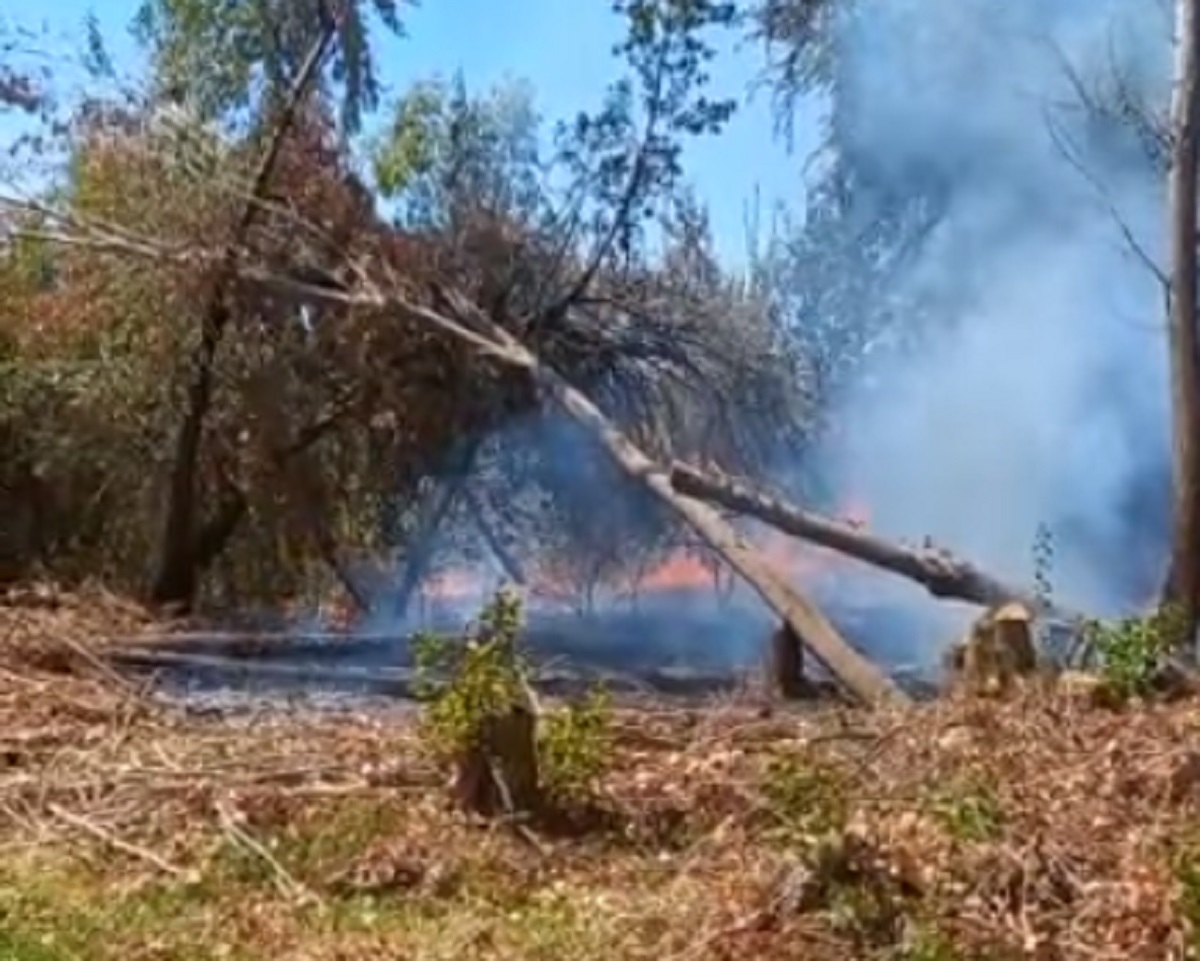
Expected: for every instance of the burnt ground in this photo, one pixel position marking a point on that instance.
(1038, 827)
(678, 647)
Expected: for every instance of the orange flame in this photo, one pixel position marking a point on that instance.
(680, 571)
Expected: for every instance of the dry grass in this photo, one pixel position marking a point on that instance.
(962, 830)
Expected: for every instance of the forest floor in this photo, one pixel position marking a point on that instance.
(1038, 827)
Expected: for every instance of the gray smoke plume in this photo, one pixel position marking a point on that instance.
(1035, 394)
(1039, 395)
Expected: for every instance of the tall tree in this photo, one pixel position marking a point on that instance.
(270, 61)
(185, 547)
(1183, 583)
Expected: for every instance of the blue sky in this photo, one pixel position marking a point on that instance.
(563, 48)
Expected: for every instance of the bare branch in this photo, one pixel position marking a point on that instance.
(1062, 143)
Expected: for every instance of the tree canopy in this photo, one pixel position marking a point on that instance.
(255, 438)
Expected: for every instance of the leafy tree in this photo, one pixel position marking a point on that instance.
(218, 56)
(321, 419)
(21, 88)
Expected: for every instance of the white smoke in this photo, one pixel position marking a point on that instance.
(1044, 402)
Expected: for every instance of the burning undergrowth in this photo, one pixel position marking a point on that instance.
(610, 577)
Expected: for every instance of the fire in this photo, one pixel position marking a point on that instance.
(680, 571)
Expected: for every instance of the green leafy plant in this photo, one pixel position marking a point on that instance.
(867, 913)
(804, 800)
(1185, 865)
(575, 745)
(926, 943)
(969, 810)
(466, 683)
(1132, 649)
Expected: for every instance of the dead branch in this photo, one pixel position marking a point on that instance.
(491, 537)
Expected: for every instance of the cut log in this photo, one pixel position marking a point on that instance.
(940, 572)
(498, 773)
(996, 653)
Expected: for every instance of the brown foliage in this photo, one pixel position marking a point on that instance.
(310, 427)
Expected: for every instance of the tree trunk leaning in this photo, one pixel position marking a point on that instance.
(941, 573)
(856, 673)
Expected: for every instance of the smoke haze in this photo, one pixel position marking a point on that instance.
(1041, 398)
(1035, 395)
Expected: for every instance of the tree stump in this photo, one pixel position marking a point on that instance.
(499, 773)
(786, 664)
(995, 654)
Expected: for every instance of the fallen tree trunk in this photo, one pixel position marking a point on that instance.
(940, 573)
(462, 319)
(467, 323)
(855, 672)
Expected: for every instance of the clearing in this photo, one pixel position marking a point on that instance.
(1040, 826)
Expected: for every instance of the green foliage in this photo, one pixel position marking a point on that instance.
(867, 913)
(806, 802)
(1185, 865)
(15, 946)
(1132, 648)
(575, 746)
(22, 88)
(969, 810)
(96, 59)
(447, 150)
(213, 53)
(408, 149)
(927, 944)
(466, 684)
(626, 157)
(801, 42)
